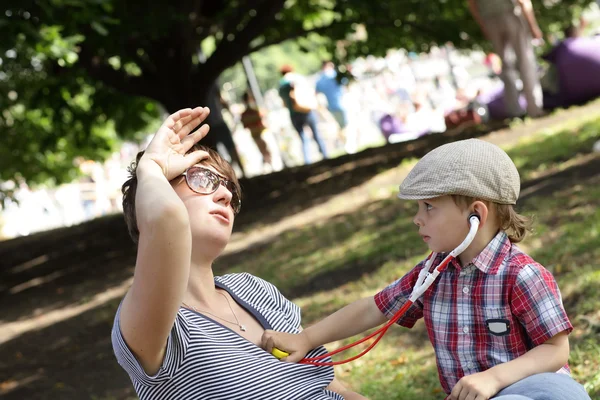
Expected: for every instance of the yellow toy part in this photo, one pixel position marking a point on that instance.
(279, 353)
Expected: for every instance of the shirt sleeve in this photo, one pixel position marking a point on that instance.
(287, 309)
(177, 345)
(393, 297)
(537, 303)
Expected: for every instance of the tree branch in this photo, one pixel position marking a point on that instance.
(117, 79)
(298, 33)
(232, 22)
(228, 53)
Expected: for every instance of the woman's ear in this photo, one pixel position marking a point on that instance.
(480, 208)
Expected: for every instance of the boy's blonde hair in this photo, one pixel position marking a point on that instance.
(514, 224)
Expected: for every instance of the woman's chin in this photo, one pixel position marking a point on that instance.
(213, 241)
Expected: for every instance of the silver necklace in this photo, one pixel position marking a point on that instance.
(237, 322)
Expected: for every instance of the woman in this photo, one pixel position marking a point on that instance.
(180, 332)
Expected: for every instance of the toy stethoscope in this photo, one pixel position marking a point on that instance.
(424, 281)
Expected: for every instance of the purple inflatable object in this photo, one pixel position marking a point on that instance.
(494, 100)
(577, 61)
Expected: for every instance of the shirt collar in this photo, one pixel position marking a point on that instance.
(489, 260)
(492, 256)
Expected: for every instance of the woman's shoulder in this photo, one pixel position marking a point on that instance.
(241, 279)
(253, 289)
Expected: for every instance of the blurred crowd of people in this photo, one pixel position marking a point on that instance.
(344, 108)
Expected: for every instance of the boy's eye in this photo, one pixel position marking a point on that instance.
(428, 206)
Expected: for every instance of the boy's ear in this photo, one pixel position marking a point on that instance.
(480, 208)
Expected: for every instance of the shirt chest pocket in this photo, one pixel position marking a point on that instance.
(495, 325)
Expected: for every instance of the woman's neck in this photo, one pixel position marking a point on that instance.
(200, 291)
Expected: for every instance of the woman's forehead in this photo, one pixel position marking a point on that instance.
(211, 169)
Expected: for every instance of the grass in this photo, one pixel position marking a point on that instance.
(331, 263)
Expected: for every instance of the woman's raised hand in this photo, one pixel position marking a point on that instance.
(173, 140)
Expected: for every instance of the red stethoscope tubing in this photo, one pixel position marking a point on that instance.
(423, 283)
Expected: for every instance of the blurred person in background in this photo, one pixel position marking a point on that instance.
(332, 87)
(301, 101)
(511, 26)
(253, 119)
(219, 131)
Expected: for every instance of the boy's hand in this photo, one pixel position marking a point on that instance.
(296, 345)
(479, 386)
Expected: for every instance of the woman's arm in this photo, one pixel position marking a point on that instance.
(164, 249)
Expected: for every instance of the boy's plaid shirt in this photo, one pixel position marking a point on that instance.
(492, 311)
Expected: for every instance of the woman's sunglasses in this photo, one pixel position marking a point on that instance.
(204, 181)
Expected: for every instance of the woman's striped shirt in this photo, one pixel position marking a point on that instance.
(206, 360)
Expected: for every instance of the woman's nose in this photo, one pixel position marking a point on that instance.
(223, 194)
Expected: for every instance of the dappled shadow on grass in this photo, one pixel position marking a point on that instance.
(546, 152)
(324, 265)
(567, 221)
(63, 267)
(395, 370)
(333, 252)
(302, 187)
(68, 360)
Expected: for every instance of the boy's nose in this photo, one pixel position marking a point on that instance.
(417, 221)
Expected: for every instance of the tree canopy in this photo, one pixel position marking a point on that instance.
(76, 76)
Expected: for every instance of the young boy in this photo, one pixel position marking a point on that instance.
(494, 316)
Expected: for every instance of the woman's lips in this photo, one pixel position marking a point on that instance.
(221, 216)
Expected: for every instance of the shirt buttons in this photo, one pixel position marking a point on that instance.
(466, 290)
(466, 329)
(470, 365)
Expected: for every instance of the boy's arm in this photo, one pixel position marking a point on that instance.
(549, 356)
(537, 303)
(351, 320)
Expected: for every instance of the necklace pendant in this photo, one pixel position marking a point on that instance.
(242, 328)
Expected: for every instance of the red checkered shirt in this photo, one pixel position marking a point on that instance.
(491, 311)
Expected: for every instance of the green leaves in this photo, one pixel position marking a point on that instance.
(93, 72)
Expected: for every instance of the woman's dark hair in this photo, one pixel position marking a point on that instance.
(129, 188)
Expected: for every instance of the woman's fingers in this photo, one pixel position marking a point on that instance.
(195, 137)
(176, 117)
(191, 121)
(195, 157)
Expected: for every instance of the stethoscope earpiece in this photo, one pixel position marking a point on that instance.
(474, 214)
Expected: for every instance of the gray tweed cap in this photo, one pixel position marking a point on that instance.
(469, 167)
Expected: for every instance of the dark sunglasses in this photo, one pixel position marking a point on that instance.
(204, 181)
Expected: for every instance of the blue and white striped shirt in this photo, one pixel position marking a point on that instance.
(206, 360)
